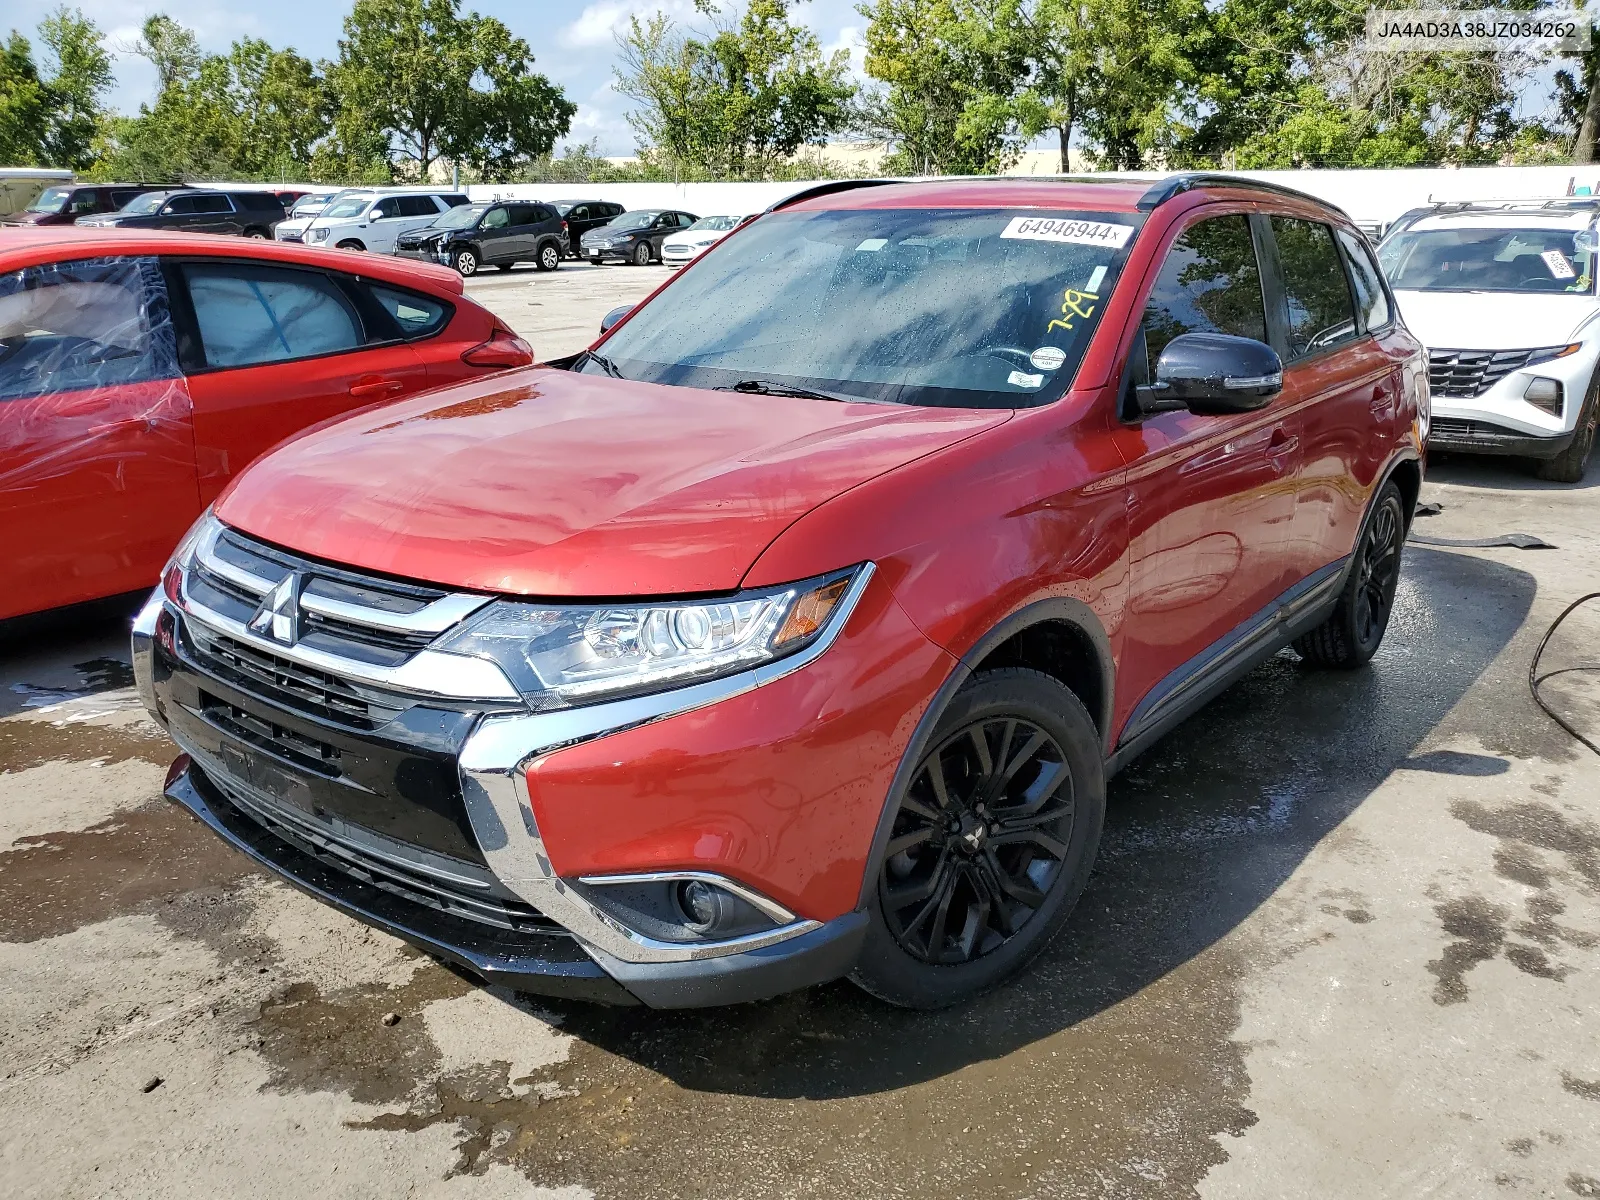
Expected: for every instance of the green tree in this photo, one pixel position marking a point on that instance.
(171, 48)
(23, 104)
(436, 83)
(76, 77)
(735, 102)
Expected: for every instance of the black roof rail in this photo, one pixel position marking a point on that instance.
(828, 189)
(1175, 185)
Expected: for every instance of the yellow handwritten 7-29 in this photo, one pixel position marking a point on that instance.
(1073, 304)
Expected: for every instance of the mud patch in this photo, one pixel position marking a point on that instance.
(59, 882)
(1587, 1089)
(1538, 825)
(1480, 930)
(31, 743)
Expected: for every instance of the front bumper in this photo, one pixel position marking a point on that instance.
(1499, 420)
(1448, 433)
(574, 948)
(607, 254)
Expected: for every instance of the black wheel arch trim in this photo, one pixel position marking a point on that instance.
(1057, 609)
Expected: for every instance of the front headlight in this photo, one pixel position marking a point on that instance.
(317, 235)
(561, 656)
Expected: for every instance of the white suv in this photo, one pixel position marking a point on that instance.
(371, 220)
(1503, 295)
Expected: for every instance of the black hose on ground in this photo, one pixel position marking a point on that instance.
(1535, 679)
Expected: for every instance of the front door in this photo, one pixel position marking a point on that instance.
(274, 350)
(97, 472)
(1211, 496)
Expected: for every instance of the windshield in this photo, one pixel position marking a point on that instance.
(1490, 260)
(308, 206)
(719, 224)
(143, 206)
(50, 200)
(986, 308)
(463, 216)
(633, 220)
(352, 206)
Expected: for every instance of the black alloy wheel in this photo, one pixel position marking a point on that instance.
(1354, 630)
(981, 836)
(990, 843)
(641, 254)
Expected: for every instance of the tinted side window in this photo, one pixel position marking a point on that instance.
(578, 212)
(85, 201)
(118, 199)
(1209, 283)
(454, 200)
(386, 208)
(69, 327)
(214, 203)
(525, 214)
(180, 204)
(1320, 314)
(417, 206)
(1372, 306)
(250, 314)
(495, 218)
(417, 316)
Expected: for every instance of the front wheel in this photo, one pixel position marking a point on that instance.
(1571, 463)
(641, 254)
(465, 262)
(351, 244)
(991, 845)
(255, 231)
(1354, 630)
(549, 256)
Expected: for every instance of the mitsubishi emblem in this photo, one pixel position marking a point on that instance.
(278, 616)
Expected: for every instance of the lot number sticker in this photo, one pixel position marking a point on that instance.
(1560, 268)
(1078, 233)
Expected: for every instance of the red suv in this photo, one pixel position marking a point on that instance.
(792, 631)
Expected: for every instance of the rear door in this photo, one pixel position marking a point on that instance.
(271, 349)
(1211, 496)
(97, 473)
(1341, 386)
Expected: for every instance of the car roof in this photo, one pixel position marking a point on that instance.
(1505, 218)
(34, 244)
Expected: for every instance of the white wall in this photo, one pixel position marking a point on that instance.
(1370, 197)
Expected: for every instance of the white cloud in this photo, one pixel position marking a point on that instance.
(850, 40)
(599, 23)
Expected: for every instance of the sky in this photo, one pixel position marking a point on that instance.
(572, 43)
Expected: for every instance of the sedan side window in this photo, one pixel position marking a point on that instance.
(250, 314)
(1209, 283)
(75, 326)
(1372, 306)
(1320, 312)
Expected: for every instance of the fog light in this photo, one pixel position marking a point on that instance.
(699, 901)
(1545, 393)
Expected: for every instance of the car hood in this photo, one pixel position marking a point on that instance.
(1494, 320)
(543, 482)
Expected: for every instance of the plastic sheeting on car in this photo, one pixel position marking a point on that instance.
(97, 478)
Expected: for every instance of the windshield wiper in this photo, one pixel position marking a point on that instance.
(604, 363)
(765, 387)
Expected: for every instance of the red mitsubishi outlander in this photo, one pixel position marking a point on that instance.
(792, 631)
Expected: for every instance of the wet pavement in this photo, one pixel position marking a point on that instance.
(1342, 940)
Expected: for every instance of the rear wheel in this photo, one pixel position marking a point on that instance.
(641, 254)
(549, 256)
(465, 261)
(255, 231)
(1571, 463)
(1354, 630)
(991, 844)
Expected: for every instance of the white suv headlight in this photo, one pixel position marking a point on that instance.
(316, 235)
(561, 656)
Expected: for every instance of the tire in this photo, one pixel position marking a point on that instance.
(1012, 890)
(350, 244)
(1354, 630)
(1571, 463)
(549, 257)
(465, 261)
(255, 231)
(641, 254)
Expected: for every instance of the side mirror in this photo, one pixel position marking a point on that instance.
(612, 317)
(1212, 373)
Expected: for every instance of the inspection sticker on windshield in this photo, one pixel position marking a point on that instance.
(1560, 268)
(1048, 358)
(1079, 233)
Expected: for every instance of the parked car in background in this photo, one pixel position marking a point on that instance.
(292, 228)
(140, 372)
(634, 237)
(195, 210)
(64, 204)
(793, 629)
(21, 186)
(1503, 294)
(679, 248)
(372, 220)
(584, 215)
(500, 234)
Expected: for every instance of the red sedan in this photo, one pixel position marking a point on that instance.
(139, 372)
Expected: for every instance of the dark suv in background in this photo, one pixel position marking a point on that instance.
(248, 214)
(584, 215)
(499, 233)
(634, 237)
(66, 203)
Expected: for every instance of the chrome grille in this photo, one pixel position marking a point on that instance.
(1463, 374)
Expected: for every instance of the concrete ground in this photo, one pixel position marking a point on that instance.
(1343, 941)
(559, 312)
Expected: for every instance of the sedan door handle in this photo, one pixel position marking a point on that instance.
(376, 387)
